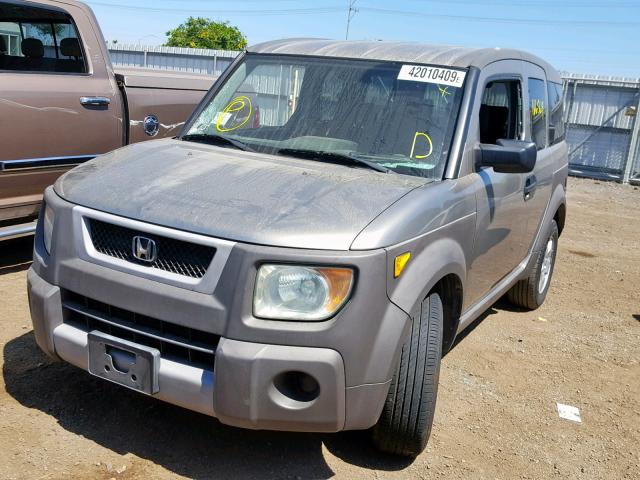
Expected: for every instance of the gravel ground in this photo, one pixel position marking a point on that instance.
(496, 416)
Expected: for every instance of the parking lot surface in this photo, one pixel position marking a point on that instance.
(496, 418)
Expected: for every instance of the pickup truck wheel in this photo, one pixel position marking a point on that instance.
(405, 423)
(531, 292)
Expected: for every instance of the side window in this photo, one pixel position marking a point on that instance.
(538, 112)
(501, 111)
(39, 40)
(556, 111)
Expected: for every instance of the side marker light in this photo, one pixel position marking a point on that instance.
(400, 262)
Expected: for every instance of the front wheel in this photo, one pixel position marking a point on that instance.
(405, 423)
(531, 292)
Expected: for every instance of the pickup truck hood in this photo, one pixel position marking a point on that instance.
(236, 195)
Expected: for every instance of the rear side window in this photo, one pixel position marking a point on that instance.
(538, 112)
(501, 111)
(556, 113)
(39, 40)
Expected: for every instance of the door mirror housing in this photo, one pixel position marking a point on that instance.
(509, 156)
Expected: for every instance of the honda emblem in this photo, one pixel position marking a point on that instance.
(145, 249)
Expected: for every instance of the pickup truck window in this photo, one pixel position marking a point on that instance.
(39, 40)
(324, 109)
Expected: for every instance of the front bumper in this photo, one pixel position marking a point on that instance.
(240, 391)
(351, 356)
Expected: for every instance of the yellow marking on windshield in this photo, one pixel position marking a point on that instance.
(444, 91)
(413, 147)
(236, 105)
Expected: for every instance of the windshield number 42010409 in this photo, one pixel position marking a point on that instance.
(438, 75)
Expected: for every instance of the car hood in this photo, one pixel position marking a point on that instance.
(236, 195)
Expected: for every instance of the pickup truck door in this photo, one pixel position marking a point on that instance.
(56, 106)
(46, 117)
(500, 241)
(59, 102)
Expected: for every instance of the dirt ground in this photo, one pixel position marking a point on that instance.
(496, 416)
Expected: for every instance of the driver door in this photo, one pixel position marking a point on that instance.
(500, 243)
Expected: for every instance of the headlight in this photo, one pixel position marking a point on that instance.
(47, 227)
(287, 292)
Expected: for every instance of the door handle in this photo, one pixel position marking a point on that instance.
(95, 101)
(530, 187)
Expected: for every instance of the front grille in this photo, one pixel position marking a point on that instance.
(175, 342)
(175, 256)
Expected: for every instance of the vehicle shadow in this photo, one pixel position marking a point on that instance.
(184, 442)
(15, 255)
(501, 304)
(472, 326)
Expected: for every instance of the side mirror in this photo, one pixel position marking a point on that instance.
(509, 156)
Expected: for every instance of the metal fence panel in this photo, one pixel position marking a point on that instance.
(635, 169)
(605, 153)
(594, 104)
(195, 60)
(602, 130)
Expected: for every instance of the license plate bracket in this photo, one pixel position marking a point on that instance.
(123, 362)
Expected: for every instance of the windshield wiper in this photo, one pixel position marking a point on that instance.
(335, 157)
(217, 140)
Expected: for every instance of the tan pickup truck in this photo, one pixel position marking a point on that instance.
(62, 102)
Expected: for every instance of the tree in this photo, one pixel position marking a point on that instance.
(204, 33)
(45, 28)
(43, 31)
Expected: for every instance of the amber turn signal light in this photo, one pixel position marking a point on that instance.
(400, 262)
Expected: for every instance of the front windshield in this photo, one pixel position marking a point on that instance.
(397, 116)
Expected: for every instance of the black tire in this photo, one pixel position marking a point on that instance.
(405, 423)
(526, 293)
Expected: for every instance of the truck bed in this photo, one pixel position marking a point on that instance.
(138, 77)
(166, 95)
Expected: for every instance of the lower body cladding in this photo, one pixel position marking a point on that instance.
(252, 385)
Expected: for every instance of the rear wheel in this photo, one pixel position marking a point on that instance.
(405, 423)
(531, 292)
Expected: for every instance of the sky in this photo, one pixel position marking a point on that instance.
(577, 36)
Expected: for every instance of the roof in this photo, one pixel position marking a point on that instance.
(424, 53)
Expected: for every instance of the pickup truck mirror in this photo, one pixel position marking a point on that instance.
(509, 156)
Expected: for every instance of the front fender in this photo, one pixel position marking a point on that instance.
(435, 255)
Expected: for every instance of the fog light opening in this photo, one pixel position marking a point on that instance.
(298, 386)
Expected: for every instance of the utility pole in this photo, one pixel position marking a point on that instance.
(350, 14)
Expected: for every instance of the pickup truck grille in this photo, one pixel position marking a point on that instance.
(175, 256)
(175, 342)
